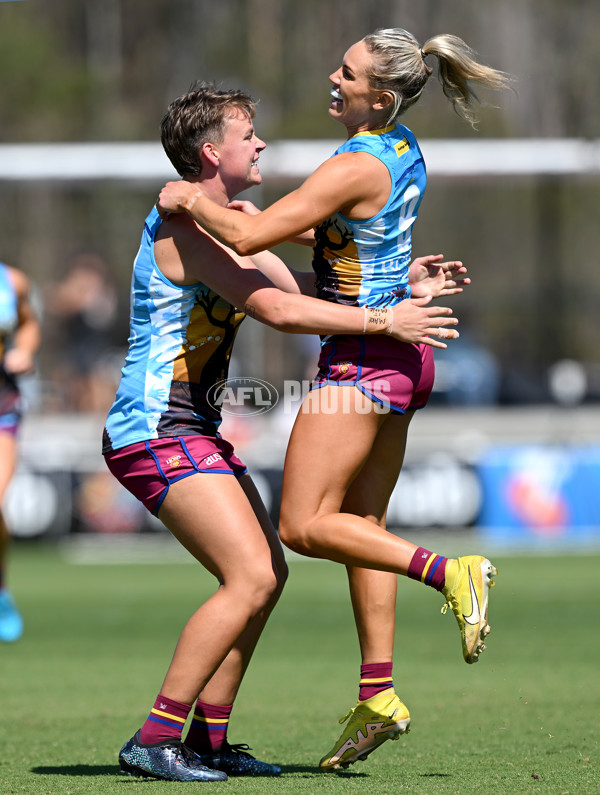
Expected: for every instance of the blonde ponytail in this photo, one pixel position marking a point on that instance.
(458, 69)
(399, 66)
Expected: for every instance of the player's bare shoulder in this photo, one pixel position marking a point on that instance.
(180, 248)
(185, 253)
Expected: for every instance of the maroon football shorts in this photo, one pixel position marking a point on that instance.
(397, 375)
(147, 469)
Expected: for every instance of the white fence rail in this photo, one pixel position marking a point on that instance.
(146, 161)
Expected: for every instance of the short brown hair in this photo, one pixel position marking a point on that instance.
(195, 118)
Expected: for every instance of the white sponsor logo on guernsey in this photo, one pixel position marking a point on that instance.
(212, 459)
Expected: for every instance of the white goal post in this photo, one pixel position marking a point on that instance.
(295, 159)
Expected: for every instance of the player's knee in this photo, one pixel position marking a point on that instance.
(273, 584)
(295, 536)
(262, 585)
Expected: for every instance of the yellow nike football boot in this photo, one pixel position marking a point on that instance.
(468, 581)
(381, 717)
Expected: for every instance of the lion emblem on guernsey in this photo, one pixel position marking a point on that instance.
(344, 367)
(174, 461)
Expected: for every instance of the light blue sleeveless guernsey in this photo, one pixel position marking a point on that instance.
(179, 347)
(10, 399)
(9, 313)
(365, 263)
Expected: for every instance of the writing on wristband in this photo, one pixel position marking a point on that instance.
(378, 320)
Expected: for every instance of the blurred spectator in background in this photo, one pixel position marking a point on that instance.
(19, 342)
(85, 306)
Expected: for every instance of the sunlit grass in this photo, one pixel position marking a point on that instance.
(99, 638)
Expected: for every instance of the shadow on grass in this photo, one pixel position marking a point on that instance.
(113, 770)
(77, 770)
(314, 772)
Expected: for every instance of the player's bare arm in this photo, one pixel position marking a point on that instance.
(20, 358)
(347, 182)
(186, 255)
(304, 238)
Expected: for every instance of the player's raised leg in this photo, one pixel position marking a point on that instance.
(326, 453)
(313, 522)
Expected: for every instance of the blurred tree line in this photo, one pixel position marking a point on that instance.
(83, 70)
(89, 70)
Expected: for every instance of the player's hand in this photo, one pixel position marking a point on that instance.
(176, 197)
(18, 362)
(429, 276)
(244, 206)
(418, 323)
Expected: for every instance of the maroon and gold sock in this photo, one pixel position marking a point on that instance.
(374, 678)
(165, 721)
(208, 730)
(428, 567)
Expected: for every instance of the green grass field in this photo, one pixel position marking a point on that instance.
(98, 640)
